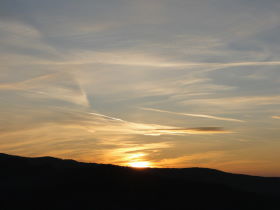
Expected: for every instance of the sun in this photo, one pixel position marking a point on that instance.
(140, 164)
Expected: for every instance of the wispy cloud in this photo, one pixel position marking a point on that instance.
(154, 129)
(135, 58)
(60, 86)
(198, 159)
(19, 35)
(276, 117)
(198, 130)
(130, 152)
(237, 102)
(107, 117)
(194, 115)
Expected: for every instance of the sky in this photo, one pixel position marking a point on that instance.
(158, 83)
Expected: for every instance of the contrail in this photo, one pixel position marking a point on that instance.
(107, 117)
(194, 115)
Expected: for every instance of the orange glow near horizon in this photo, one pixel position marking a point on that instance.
(140, 164)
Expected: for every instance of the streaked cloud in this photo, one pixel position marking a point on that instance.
(237, 102)
(141, 59)
(194, 115)
(127, 127)
(199, 130)
(107, 117)
(276, 117)
(131, 152)
(199, 159)
(60, 86)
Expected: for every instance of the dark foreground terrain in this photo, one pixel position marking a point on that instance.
(50, 183)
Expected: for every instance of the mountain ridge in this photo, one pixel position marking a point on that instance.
(57, 182)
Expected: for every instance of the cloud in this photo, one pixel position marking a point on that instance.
(236, 102)
(107, 117)
(110, 124)
(130, 152)
(195, 115)
(276, 117)
(22, 38)
(198, 130)
(19, 29)
(59, 86)
(141, 59)
(153, 129)
(205, 159)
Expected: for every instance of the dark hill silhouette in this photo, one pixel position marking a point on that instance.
(51, 183)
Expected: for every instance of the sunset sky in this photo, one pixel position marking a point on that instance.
(158, 83)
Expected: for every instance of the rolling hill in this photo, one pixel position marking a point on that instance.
(52, 183)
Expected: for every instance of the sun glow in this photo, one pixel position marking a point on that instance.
(140, 164)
